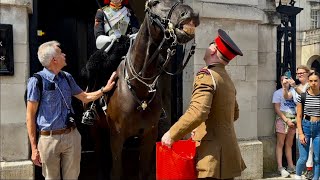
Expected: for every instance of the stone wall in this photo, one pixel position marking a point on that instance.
(13, 133)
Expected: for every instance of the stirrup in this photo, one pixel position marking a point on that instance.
(90, 115)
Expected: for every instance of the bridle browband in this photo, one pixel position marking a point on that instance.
(169, 35)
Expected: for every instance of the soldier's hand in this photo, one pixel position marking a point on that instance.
(193, 133)
(166, 139)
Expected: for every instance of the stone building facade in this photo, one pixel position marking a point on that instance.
(308, 34)
(252, 25)
(14, 149)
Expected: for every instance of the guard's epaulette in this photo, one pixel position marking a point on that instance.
(106, 6)
(204, 71)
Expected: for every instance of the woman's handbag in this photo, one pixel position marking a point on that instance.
(177, 162)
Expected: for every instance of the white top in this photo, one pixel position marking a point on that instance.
(285, 105)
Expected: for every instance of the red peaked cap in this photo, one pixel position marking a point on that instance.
(226, 46)
(124, 2)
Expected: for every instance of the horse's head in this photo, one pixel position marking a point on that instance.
(173, 17)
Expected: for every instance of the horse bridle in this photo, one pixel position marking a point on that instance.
(168, 30)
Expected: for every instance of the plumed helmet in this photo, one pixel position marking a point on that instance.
(124, 2)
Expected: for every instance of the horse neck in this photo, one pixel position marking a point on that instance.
(142, 50)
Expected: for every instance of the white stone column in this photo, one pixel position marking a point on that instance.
(14, 152)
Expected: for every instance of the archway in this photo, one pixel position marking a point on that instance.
(316, 65)
(314, 62)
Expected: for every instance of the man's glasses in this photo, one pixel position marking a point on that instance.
(301, 73)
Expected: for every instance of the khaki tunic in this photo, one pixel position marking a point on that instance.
(213, 110)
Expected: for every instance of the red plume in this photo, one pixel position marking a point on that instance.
(124, 2)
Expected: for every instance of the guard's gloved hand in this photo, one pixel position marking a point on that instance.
(133, 36)
(102, 40)
(114, 37)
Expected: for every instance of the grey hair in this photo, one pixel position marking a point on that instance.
(47, 51)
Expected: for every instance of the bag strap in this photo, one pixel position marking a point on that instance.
(303, 100)
(64, 99)
(39, 84)
(65, 76)
(105, 16)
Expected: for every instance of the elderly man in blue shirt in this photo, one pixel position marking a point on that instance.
(59, 144)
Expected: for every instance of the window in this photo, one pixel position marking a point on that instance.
(315, 18)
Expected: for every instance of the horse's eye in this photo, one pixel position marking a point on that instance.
(183, 14)
(153, 3)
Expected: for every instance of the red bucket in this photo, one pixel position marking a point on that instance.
(177, 162)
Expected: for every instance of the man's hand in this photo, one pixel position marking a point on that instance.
(111, 82)
(35, 157)
(166, 139)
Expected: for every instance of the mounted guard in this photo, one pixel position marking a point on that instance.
(115, 24)
(113, 21)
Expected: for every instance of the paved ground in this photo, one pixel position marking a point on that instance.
(277, 176)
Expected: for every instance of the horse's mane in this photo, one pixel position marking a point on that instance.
(100, 65)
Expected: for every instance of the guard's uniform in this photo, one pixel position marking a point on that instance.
(213, 109)
(128, 23)
(212, 112)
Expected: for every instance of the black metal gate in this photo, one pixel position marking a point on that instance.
(286, 40)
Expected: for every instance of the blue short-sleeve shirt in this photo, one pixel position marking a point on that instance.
(53, 109)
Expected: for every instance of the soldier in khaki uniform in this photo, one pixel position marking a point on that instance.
(212, 112)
